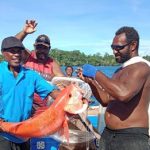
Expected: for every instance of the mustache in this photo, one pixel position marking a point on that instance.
(41, 53)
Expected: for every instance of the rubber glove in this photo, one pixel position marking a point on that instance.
(89, 70)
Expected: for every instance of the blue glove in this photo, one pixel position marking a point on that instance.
(89, 70)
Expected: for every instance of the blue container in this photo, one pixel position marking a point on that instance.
(93, 120)
(45, 143)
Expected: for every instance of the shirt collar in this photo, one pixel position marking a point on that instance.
(131, 61)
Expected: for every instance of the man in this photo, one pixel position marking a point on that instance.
(69, 71)
(126, 95)
(39, 60)
(17, 86)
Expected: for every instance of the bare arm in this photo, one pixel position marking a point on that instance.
(57, 70)
(25, 55)
(54, 94)
(28, 28)
(125, 86)
(99, 93)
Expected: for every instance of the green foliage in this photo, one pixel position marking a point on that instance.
(1, 58)
(77, 58)
(147, 57)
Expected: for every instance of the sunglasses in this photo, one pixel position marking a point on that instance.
(14, 50)
(119, 47)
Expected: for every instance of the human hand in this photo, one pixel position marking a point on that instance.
(30, 26)
(79, 73)
(89, 70)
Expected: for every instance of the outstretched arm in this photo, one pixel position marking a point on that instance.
(28, 28)
(124, 85)
(100, 94)
(57, 70)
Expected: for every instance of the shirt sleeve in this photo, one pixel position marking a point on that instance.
(42, 87)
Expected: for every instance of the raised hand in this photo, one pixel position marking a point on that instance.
(79, 73)
(30, 26)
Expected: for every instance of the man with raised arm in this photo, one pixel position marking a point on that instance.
(39, 60)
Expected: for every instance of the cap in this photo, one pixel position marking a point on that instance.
(43, 39)
(11, 42)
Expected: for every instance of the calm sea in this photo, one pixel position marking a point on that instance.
(108, 70)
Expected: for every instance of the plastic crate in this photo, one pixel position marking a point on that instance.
(45, 143)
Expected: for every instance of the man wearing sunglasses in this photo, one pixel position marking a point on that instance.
(39, 60)
(126, 95)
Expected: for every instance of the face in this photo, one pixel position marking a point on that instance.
(121, 48)
(42, 53)
(69, 71)
(13, 56)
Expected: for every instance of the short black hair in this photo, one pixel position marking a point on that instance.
(69, 67)
(131, 34)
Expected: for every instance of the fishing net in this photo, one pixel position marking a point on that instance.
(62, 82)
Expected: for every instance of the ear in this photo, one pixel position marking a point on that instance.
(133, 46)
(3, 53)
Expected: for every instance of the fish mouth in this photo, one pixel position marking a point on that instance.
(83, 109)
(75, 109)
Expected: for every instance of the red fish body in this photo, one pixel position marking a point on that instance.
(51, 120)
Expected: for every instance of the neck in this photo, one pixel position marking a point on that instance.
(42, 61)
(135, 53)
(69, 75)
(14, 70)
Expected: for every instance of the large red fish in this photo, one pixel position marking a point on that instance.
(51, 120)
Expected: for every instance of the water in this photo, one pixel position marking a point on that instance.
(107, 70)
(93, 120)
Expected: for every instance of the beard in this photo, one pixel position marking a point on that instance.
(42, 56)
(121, 58)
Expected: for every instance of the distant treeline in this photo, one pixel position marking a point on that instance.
(77, 58)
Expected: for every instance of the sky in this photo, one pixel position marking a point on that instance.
(85, 25)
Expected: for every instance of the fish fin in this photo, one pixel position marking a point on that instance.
(65, 130)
